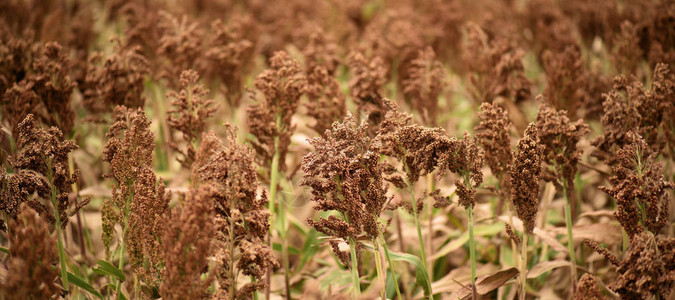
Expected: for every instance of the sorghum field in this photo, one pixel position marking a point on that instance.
(337, 149)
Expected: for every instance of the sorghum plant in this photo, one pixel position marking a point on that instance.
(347, 177)
(32, 253)
(587, 289)
(495, 67)
(117, 80)
(189, 113)
(44, 91)
(42, 165)
(270, 122)
(648, 269)
(366, 86)
(423, 84)
(326, 103)
(629, 107)
(186, 245)
(525, 173)
(639, 188)
(492, 134)
(138, 202)
(241, 221)
(229, 55)
(558, 138)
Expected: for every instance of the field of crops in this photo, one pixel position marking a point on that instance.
(337, 149)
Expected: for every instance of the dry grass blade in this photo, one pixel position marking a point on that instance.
(488, 283)
(546, 266)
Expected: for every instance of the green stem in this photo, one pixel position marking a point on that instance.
(391, 265)
(356, 282)
(274, 181)
(523, 267)
(59, 235)
(380, 272)
(570, 239)
(472, 247)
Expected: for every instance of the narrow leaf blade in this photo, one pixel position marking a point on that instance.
(81, 283)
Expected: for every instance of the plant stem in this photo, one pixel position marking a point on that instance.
(380, 272)
(472, 247)
(59, 235)
(431, 187)
(274, 182)
(570, 240)
(523, 267)
(356, 282)
(233, 278)
(122, 244)
(391, 265)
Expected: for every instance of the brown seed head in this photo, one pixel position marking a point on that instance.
(30, 268)
(525, 173)
(44, 152)
(186, 245)
(639, 188)
(282, 85)
(587, 289)
(496, 68)
(189, 113)
(492, 134)
(648, 269)
(346, 175)
(424, 84)
(242, 221)
(326, 103)
(119, 80)
(559, 138)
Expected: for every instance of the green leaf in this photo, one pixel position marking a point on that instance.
(309, 248)
(421, 273)
(479, 230)
(3, 249)
(106, 268)
(291, 250)
(81, 283)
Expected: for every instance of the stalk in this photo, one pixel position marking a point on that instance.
(355, 272)
(122, 244)
(523, 267)
(472, 247)
(570, 240)
(274, 181)
(380, 272)
(431, 187)
(391, 265)
(420, 238)
(57, 217)
(233, 277)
